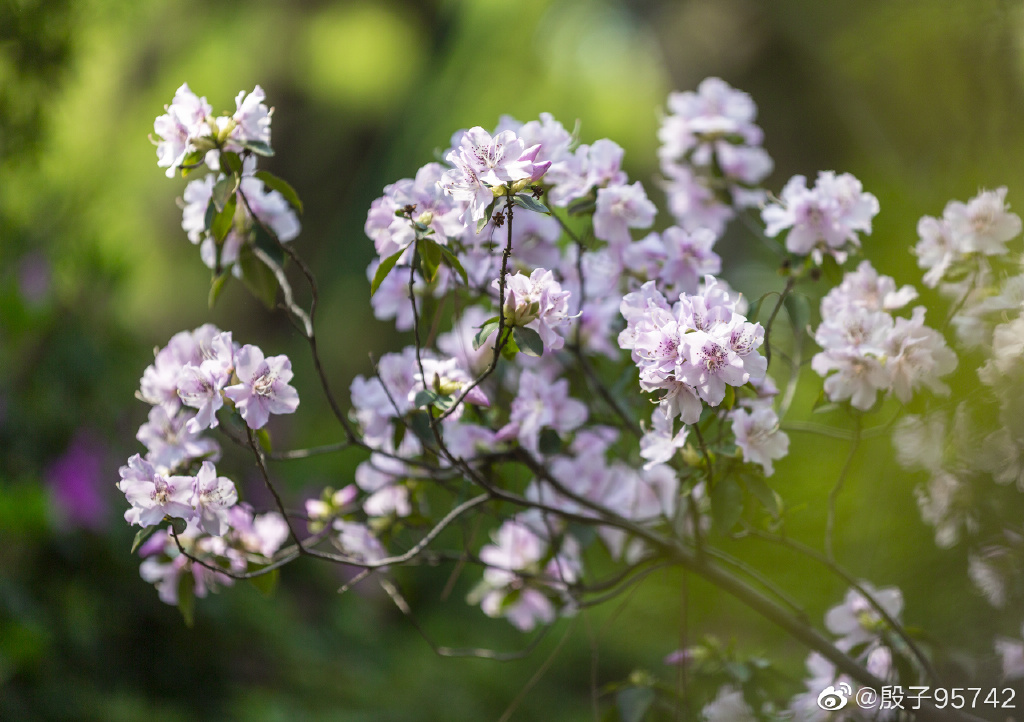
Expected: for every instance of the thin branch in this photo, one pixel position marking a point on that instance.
(541, 670)
(442, 651)
(832, 566)
(834, 494)
(499, 340)
(790, 283)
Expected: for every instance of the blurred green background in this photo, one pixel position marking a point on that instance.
(921, 101)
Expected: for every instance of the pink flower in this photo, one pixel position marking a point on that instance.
(187, 119)
(759, 438)
(537, 302)
(823, 219)
(620, 208)
(153, 495)
(263, 387)
(214, 495)
(542, 404)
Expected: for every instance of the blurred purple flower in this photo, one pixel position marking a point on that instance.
(75, 480)
(34, 278)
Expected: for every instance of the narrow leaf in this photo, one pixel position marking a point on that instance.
(282, 186)
(424, 397)
(453, 262)
(225, 219)
(178, 525)
(263, 436)
(383, 270)
(419, 422)
(266, 583)
(726, 504)
(582, 206)
(634, 702)
(550, 442)
(231, 162)
(799, 310)
(528, 341)
(487, 216)
(430, 254)
(258, 278)
(142, 536)
(531, 204)
(217, 286)
(759, 488)
(489, 327)
(222, 191)
(187, 598)
(258, 147)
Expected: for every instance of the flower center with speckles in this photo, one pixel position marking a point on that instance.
(263, 385)
(712, 357)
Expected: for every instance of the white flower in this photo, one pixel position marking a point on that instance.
(759, 438)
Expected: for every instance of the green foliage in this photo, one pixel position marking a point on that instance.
(383, 270)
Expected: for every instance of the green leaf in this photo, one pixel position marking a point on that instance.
(531, 204)
(799, 310)
(187, 598)
(419, 422)
(225, 219)
(489, 327)
(453, 262)
(726, 504)
(759, 488)
(192, 162)
(268, 244)
(430, 254)
(510, 349)
(831, 270)
(423, 398)
(221, 192)
(755, 307)
(266, 583)
(178, 525)
(258, 278)
(258, 147)
(738, 671)
(550, 442)
(528, 341)
(383, 270)
(282, 186)
(582, 206)
(634, 702)
(217, 286)
(211, 215)
(142, 536)
(263, 437)
(231, 162)
(487, 216)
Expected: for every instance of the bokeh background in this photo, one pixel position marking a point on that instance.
(921, 101)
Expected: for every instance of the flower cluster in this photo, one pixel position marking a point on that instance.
(188, 134)
(484, 163)
(823, 220)
(711, 155)
(534, 236)
(525, 578)
(869, 350)
(980, 227)
(199, 370)
(226, 209)
(864, 634)
(189, 381)
(693, 349)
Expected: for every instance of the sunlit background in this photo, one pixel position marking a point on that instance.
(921, 101)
